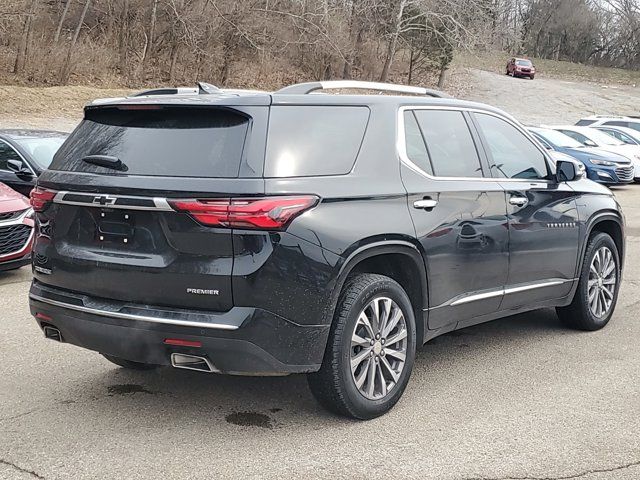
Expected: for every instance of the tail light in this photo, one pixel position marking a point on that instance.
(269, 213)
(40, 198)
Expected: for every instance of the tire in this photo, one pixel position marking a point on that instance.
(128, 364)
(334, 385)
(580, 313)
(531, 77)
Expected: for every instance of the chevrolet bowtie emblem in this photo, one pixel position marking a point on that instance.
(104, 200)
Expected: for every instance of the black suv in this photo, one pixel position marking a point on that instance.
(264, 233)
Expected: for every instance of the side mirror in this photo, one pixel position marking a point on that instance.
(17, 167)
(568, 171)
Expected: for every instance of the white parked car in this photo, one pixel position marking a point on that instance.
(611, 121)
(591, 137)
(624, 134)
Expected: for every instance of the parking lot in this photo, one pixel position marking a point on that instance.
(519, 398)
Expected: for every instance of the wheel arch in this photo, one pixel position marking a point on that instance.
(398, 259)
(608, 222)
(611, 224)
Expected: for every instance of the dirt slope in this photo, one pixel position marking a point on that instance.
(547, 100)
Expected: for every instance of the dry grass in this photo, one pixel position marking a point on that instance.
(61, 107)
(496, 62)
(47, 107)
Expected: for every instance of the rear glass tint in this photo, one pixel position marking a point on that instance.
(180, 142)
(314, 140)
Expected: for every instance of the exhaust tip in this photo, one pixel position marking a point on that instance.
(192, 362)
(52, 333)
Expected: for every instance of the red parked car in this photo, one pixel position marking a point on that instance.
(16, 229)
(521, 67)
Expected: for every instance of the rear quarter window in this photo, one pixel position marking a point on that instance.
(306, 141)
(176, 141)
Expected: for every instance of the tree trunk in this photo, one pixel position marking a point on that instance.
(56, 38)
(146, 53)
(411, 62)
(174, 59)
(442, 78)
(65, 72)
(123, 36)
(393, 42)
(23, 47)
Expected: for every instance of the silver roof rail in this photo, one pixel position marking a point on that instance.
(310, 87)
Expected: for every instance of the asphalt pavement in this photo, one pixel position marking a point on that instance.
(518, 398)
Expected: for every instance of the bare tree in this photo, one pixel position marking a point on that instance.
(65, 72)
(65, 10)
(23, 47)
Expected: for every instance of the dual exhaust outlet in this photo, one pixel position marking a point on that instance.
(178, 360)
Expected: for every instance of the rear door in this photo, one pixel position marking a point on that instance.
(543, 216)
(459, 214)
(112, 230)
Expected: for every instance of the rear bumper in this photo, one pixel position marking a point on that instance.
(242, 341)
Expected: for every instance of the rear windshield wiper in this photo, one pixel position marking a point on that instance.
(106, 161)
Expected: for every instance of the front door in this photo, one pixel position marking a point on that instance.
(543, 216)
(459, 215)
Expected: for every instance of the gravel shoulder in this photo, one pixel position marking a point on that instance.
(552, 101)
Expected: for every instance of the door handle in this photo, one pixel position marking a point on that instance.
(518, 201)
(426, 203)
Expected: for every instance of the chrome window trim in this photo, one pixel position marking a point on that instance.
(402, 151)
(160, 203)
(130, 316)
(506, 290)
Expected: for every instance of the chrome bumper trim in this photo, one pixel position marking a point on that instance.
(130, 316)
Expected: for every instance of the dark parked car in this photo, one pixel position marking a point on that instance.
(286, 232)
(521, 67)
(601, 166)
(16, 229)
(24, 154)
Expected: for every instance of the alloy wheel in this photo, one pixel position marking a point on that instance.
(378, 348)
(601, 285)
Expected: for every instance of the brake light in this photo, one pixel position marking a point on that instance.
(40, 198)
(270, 213)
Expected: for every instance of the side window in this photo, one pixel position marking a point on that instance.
(449, 143)
(414, 143)
(7, 153)
(313, 140)
(619, 135)
(616, 123)
(513, 155)
(576, 136)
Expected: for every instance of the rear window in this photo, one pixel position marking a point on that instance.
(180, 142)
(307, 141)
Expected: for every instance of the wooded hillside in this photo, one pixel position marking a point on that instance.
(266, 43)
